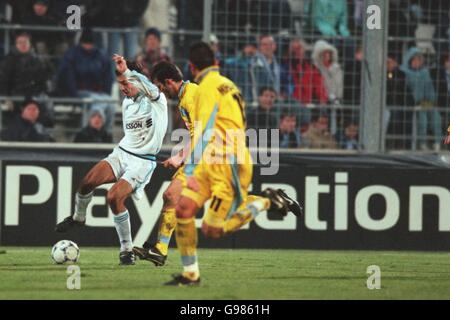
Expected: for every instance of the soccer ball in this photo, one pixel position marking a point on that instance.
(65, 251)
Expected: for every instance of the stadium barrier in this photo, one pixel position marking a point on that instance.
(352, 201)
(83, 104)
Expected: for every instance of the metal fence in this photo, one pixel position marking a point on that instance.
(316, 70)
(271, 46)
(418, 64)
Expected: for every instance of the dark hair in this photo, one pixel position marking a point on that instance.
(44, 2)
(264, 89)
(165, 70)
(133, 66)
(350, 122)
(201, 55)
(27, 101)
(153, 31)
(318, 113)
(445, 57)
(87, 36)
(288, 115)
(22, 34)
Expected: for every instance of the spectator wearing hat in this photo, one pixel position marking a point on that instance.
(95, 131)
(25, 126)
(152, 52)
(421, 86)
(85, 72)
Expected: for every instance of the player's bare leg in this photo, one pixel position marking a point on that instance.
(158, 253)
(100, 174)
(186, 236)
(116, 197)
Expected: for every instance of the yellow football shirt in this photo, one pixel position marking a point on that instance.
(219, 121)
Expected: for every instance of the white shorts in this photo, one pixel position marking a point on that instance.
(136, 171)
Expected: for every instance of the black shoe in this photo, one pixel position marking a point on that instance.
(179, 280)
(127, 258)
(67, 224)
(282, 203)
(152, 254)
(147, 245)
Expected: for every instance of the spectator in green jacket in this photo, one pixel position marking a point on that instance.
(328, 17)
(421, 87)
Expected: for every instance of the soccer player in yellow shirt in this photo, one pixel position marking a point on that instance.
(219, 167)
(169, 79)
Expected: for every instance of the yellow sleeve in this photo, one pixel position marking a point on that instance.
(189, 99)
(205, 114)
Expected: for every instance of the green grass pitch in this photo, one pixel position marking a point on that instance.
(29, 273)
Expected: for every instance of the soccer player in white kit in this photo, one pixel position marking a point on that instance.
(132, 162)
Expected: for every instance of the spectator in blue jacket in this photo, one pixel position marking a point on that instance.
(348, 138)
(420, 85)
(289, 133)
(237, 68)
(85, 72)
(265, 71)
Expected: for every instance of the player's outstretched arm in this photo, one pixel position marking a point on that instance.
(121, 64)
(139, 80)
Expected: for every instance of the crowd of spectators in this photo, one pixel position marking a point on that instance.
(299, 64)
(323, 67)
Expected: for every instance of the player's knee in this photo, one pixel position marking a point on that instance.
(114, 201)
(211, 232)
(185, 209)
(169, 198)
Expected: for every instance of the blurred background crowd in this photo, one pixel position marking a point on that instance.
(298, 64)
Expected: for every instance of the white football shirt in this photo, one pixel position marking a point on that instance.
(144, 119)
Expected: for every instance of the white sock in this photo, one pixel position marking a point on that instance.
(192, 268)
(123, 228)
(81, 203)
